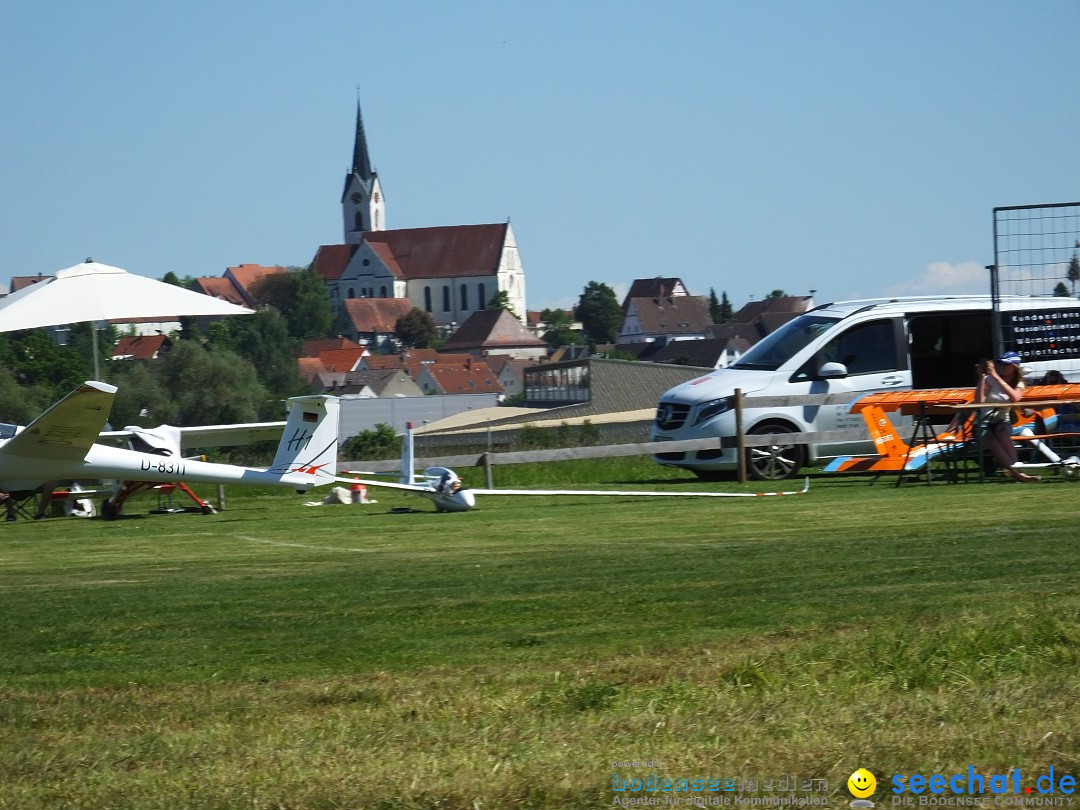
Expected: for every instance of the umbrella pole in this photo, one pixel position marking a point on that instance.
(93, 342)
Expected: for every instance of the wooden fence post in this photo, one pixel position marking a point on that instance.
(740, 437)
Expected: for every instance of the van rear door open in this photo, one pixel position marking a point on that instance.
(945, 347)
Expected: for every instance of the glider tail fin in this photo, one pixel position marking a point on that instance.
(886, 441)
(408, 457)
(308, 448)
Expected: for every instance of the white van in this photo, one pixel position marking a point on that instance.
(856, 347)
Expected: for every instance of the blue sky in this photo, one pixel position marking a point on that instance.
(854, 148)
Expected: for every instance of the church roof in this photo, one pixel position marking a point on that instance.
(331, 260)
(376, 314)
(361, 162)
(446, 251)
(490, 329)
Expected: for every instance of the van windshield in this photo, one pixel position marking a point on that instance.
(772, 351)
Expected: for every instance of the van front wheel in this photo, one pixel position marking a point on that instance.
(774, 462)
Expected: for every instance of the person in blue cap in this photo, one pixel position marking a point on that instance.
(1000, 382)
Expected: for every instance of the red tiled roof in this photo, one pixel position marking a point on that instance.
(413, 360)
(140, 347)
(342, 359)
(442, 252)
(376, 314)
(244, 275)
(310, 367)
(222, 288)
(475, 378)
(312, 348)
(331, 260)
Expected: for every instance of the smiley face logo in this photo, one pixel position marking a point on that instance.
(861, 783)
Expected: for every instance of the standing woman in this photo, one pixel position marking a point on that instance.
(1002, 382)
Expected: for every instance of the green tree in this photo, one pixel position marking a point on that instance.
(1061, 291)
(372, 445)
(725, 309)
(599, 312)
(211, 388)
(1073, 273)
(263, 339)
(415, 329)
(714, 306)
(20, 404)
(501, 300)
(559, 331)
(776, 294)
(35, 360)
(140, 399)
(300, 297)
(80, 338)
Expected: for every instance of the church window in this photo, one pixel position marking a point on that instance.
(382, 291)
(427, 299)
(446, 298)
(352, 294)
(482, 304)
(464, 297)
(366, 262)
(358, 221)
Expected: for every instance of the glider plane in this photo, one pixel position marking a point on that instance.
(443, 487)
(62, 444)
(1036, 408)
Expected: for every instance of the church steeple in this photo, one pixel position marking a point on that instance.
(363, 206)
(361, 162)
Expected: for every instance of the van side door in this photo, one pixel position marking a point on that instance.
(870, 356)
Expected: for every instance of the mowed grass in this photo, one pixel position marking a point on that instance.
(278, 655)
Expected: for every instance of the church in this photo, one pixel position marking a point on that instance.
(448, 271)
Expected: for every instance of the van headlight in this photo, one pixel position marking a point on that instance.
(714, 407)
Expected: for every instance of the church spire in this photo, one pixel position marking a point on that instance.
(363, 206)
(361, 161)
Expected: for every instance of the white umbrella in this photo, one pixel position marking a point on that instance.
(98, 292)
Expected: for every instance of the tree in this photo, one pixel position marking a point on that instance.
(501, 300)
(725, 309)
(372, 445)
(263, 339)
(20, 404)
(1073, 273)
(714, 306)
(211, 387)
(35, 360)
(300, 297)
(599, 312)
(776, 294)
(415, 329)
(1061, 291)
(559, 331)
(80, 338)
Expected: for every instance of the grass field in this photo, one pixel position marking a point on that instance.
(280, 656)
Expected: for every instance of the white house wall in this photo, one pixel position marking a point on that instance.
(367, 277)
